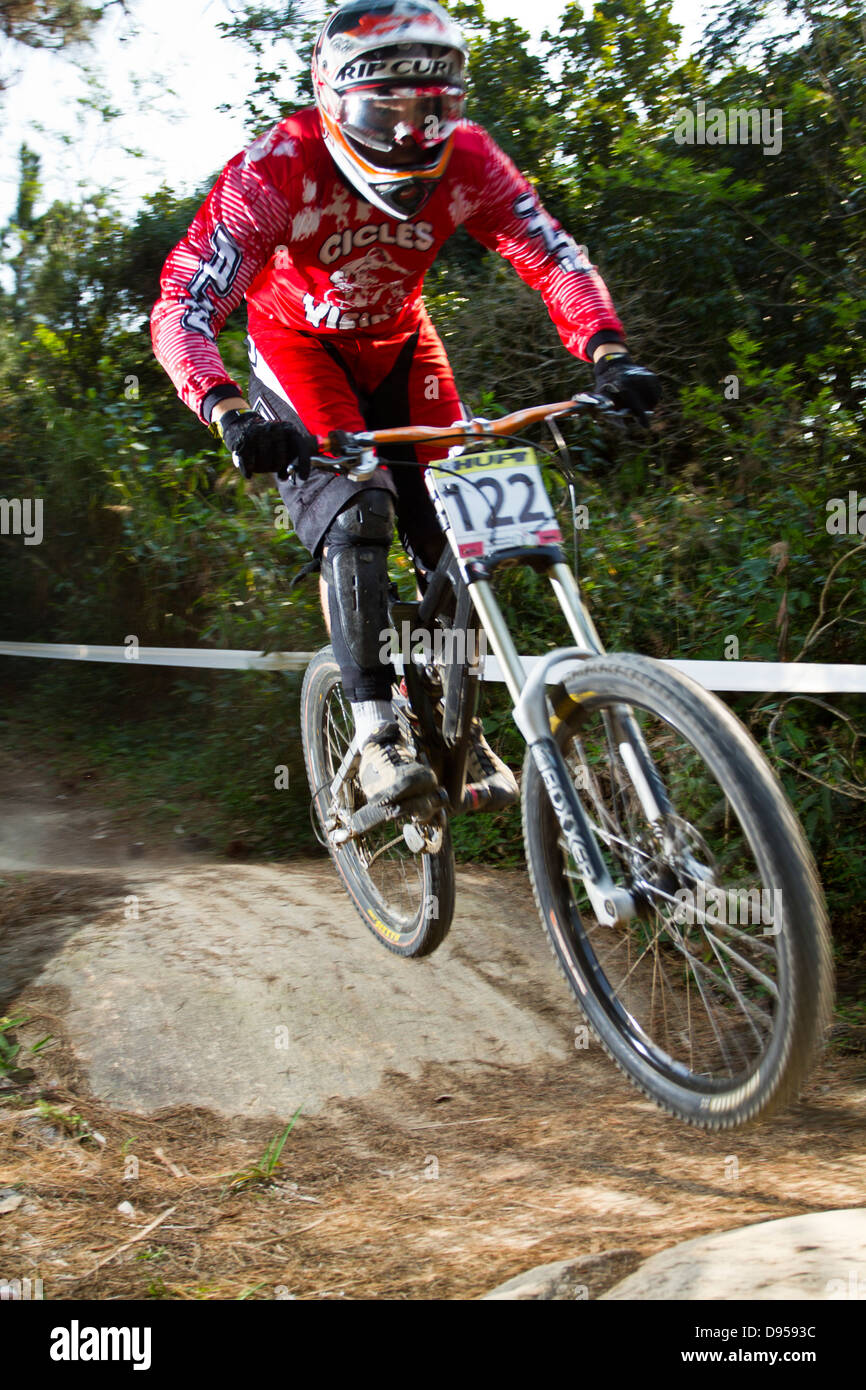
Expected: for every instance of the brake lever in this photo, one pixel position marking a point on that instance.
(352, 457)
(366, 466)
(622, 419)
(594, 399)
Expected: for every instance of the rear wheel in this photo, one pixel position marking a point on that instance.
(406, 899)
(714, 997)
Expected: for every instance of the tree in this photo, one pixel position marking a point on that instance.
(619, 68)
(24, 227)
(48, 24)
(273, 32)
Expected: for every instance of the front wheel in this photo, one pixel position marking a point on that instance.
(406, 899)
(714, 997)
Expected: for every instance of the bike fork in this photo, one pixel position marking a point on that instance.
(610, 903)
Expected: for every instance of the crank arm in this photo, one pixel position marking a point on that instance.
(420, 808)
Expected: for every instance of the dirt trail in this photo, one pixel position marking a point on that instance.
(450, 1135)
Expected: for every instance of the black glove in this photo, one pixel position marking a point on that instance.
(267, 446)
(629, 386)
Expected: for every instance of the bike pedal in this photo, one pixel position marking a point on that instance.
(422, 807)
(371, 815)
(427, 806)
(477, 797)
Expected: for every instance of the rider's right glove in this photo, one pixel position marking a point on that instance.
(629, 386)
(266, 446)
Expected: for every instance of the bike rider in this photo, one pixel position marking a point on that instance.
(326, 224)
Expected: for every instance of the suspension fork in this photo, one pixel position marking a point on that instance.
(610, 903)
(621, 724)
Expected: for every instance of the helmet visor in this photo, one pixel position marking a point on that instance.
(402, 127)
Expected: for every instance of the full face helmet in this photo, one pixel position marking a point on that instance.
(388, 77)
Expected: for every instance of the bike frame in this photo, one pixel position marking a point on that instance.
(610, 903)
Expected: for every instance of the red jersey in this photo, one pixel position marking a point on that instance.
(282, 228)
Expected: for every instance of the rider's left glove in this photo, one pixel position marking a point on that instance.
(266, 446)
(629, 386)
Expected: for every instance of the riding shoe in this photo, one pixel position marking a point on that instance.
(489, 782)
(388, 771)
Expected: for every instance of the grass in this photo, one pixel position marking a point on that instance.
(261, 1173)
(9, 1047)
(72, 1125)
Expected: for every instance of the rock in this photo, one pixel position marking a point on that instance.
(819, 1256)
(585, 1277)
(9, 1200)
(198, 844)
(15, 1077)
(231, 991)
(37, 1127)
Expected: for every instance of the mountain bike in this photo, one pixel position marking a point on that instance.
(671, 876)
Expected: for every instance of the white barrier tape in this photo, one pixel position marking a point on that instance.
(782, 677)
(223, 659)
(777, 676)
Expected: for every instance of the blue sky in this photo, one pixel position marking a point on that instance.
(173, 122)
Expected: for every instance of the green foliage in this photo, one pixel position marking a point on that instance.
(10, 1048)
(507, 87)
(261, 1173)
(280, 36)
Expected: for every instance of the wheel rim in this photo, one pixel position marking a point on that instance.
(694, 988)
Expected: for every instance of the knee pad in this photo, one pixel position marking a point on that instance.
(369, 517)
(355, 568)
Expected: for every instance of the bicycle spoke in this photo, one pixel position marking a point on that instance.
(405, 898)
(756, 974)
(712, 1015)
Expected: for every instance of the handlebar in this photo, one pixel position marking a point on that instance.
(342, 445)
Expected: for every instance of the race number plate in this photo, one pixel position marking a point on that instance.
(494, 501)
